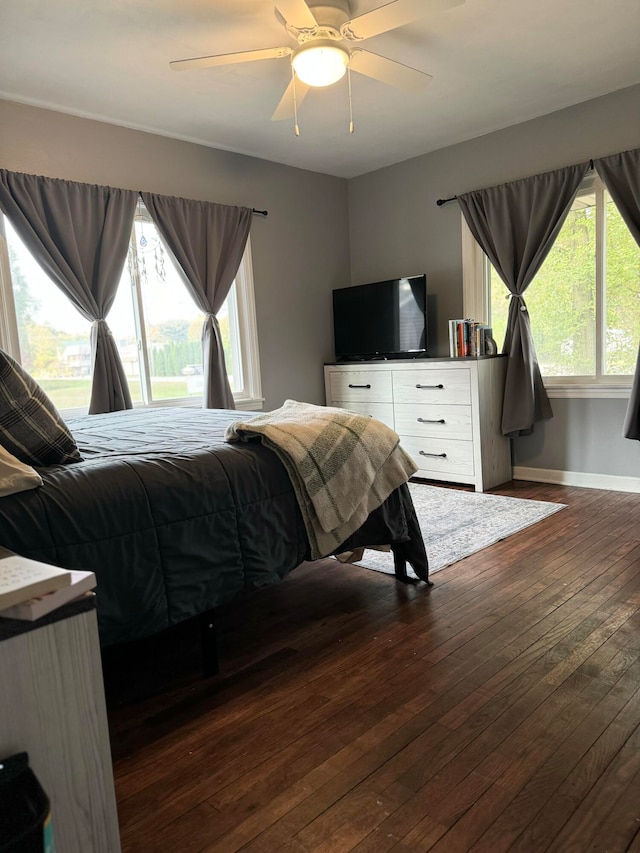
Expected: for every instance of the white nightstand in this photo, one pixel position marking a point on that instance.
(53, 707)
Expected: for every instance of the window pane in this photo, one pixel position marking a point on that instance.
(562, 298)
(173, 323)
(622, 275)
(54, 336)
(585, 301)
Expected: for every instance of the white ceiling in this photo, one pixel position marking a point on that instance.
(494, 63)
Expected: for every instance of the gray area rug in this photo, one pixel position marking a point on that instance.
(456, 524)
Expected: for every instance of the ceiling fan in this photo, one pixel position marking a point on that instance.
(325, 34)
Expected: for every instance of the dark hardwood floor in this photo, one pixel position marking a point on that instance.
(499, 710)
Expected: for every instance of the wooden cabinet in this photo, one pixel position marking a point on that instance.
(447, 412)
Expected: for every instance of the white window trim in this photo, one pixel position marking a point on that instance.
(9, 339)
(475, 303)
(475, 293)
(251, 395)
(141, 335)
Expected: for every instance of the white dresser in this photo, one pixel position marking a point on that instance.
(446, 411)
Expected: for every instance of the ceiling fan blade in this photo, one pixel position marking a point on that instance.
(388, 71)
(394, 14)
(296, 13)
(230, 58)
(285, 108)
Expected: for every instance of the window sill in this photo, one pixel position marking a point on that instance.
(247, 404)
(588, 392)
(250, 404)
(242, 403)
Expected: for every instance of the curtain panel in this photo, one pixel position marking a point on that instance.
(621, 175)
(208, 241)
(516, 225)
(79, 234)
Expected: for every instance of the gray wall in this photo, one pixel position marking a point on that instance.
(397, 229)
(584, 436)
(300, 251)
(388, 220)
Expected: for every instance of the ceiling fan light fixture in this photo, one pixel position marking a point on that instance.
(320, 64)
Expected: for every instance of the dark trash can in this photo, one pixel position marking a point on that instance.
(25, 817)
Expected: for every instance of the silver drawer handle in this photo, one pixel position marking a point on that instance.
(359, 386)
(433, 387)
(439, 455)
(427, 421)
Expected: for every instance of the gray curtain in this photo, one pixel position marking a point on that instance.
(516, 225)
(208, 241)
(621, 174)
(79, 234)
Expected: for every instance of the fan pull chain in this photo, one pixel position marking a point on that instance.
(350, 101)
(295, 104)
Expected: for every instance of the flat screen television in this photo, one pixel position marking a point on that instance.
(385, 319)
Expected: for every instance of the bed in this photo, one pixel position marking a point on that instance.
(174, 521)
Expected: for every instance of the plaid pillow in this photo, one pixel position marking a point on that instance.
(30, 426)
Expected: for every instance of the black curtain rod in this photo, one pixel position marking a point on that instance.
(442, 201)
(254, 210)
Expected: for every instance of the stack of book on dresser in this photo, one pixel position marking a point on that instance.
(470, 338)
(30, 589)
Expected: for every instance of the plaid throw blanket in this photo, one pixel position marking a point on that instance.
(342, 465)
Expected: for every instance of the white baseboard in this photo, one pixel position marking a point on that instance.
(577, 478)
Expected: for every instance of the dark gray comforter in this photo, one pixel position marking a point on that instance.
(174, 521)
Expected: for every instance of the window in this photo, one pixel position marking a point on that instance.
(584, 303)
(155, 322)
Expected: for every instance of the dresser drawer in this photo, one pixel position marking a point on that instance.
(436, 457)
(451, 386)
(348, 385)
(433, 421)
(380, 411)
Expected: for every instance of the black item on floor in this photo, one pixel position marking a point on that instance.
(25, 819)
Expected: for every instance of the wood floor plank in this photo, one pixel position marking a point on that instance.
(580, 779)
(618, 781)
(533, 797)
(622, 825)
(498, 711)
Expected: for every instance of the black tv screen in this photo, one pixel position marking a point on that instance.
(385, 318)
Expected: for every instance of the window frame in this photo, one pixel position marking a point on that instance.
(248, 398)
(9, 339)
(476, 303)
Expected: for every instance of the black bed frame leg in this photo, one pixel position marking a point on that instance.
(400, 567)
(209, 644)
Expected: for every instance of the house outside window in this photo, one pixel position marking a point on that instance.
(155, 323)
(584, 303)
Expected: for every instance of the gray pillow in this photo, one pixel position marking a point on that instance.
(30, 425)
